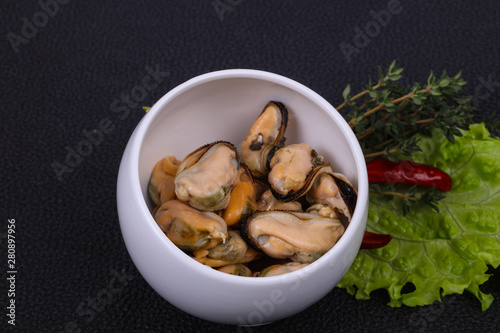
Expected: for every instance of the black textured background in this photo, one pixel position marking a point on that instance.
(63, 79)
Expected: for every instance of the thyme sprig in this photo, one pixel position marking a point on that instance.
(386, 116)
(408, 196)
(492, 124)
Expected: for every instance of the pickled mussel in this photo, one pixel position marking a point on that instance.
(189, 228)
(335, 191)
(265, 136)
(233, 251)
(268, 202)
(302, 237)
(323, 210)
(236, 269)
(292, 170)
(161, 185)
(206, 177)
(275, 270)
(243, 198)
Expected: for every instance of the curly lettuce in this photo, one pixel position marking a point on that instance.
(439, 253)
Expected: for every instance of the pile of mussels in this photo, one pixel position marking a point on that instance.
(244, 215)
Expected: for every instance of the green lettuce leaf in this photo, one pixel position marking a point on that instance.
(446, 252)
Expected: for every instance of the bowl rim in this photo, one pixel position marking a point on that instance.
(362, 181)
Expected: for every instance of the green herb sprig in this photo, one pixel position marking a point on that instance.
(408, 196)
(386, 116)
(492, 124)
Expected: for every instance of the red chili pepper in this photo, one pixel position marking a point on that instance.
(381, 170)
(374, 241)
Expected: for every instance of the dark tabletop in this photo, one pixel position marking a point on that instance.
(65, 64)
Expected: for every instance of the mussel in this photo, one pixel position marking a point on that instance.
(206, 177)
(233, 251)
(266, 135)
(292, 169)
(236, 269)
(323, 210)
(321, 186)
(302, 237)
(334, 190)
(243, 198)
(275, 270)
(161, 185)
(189, 228)
(267, 201)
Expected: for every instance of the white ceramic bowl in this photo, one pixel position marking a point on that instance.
(223, 105)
